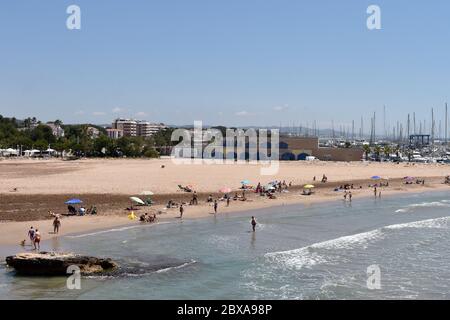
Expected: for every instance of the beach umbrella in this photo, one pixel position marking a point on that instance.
(375, 178)
(73, 201)
(147, 193)
(225, 190)
(245, 182)
(409, 178)
(308, 186)
(137, 200)
(270, 187)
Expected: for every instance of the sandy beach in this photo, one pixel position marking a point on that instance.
(44, 185)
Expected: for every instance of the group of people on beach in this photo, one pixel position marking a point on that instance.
(147, 218)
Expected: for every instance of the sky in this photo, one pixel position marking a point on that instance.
(228, 62)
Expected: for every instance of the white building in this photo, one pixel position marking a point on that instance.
(137, 128)
(114, 133)
(128, 126)
(57, 131)
(147, 129)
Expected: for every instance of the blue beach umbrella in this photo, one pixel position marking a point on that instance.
(73, 201)
(245, 182)
(376, 178)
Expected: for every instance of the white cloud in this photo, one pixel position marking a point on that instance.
(242, 113)
(98, 113)
(141, 114)
(79, 113)
(280, 108)
(117, 110)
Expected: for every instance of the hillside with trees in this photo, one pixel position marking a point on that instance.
(32, 134)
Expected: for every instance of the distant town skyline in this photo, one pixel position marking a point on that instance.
(232, 63)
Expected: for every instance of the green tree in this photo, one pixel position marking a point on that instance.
(387, 151)
(366, 149)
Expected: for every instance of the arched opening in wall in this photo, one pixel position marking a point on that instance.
(288, 156)
(302, 156)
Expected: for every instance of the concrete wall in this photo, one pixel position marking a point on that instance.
(299, 147)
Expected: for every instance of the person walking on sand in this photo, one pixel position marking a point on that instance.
(181, 211)
(56, 225)
(253, 224)
(31, 234)
(37, 240)
(215, 206)
(194, 198)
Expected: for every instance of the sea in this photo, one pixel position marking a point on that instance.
(396, 247)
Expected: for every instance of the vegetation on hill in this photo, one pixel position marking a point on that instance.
(32, 134)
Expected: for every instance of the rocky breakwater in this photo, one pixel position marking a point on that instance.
(57, 264)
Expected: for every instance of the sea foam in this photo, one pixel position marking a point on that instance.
(313, 254)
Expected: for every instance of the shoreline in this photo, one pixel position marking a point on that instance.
(11, 233)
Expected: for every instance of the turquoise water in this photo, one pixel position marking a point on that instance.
(317, 252)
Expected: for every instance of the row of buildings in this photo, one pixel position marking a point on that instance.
(133, 128)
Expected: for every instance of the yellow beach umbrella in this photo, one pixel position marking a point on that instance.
(308, 186)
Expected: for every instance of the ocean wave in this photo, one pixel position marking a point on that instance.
(442, 203)
(177, 267)
(314, 254)
(113, 230)
(309, 256)
(436, 223)
(138, 273)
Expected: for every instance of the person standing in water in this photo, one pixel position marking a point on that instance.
(215, 206)
(31, 233)
(228, 201)
(350, 196)
(181, 211)
(37, 240)
(56, 224)
(253, 224)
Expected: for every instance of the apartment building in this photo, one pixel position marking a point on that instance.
(129, 127)
(136, 128)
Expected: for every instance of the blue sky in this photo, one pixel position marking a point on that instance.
(233, 62)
